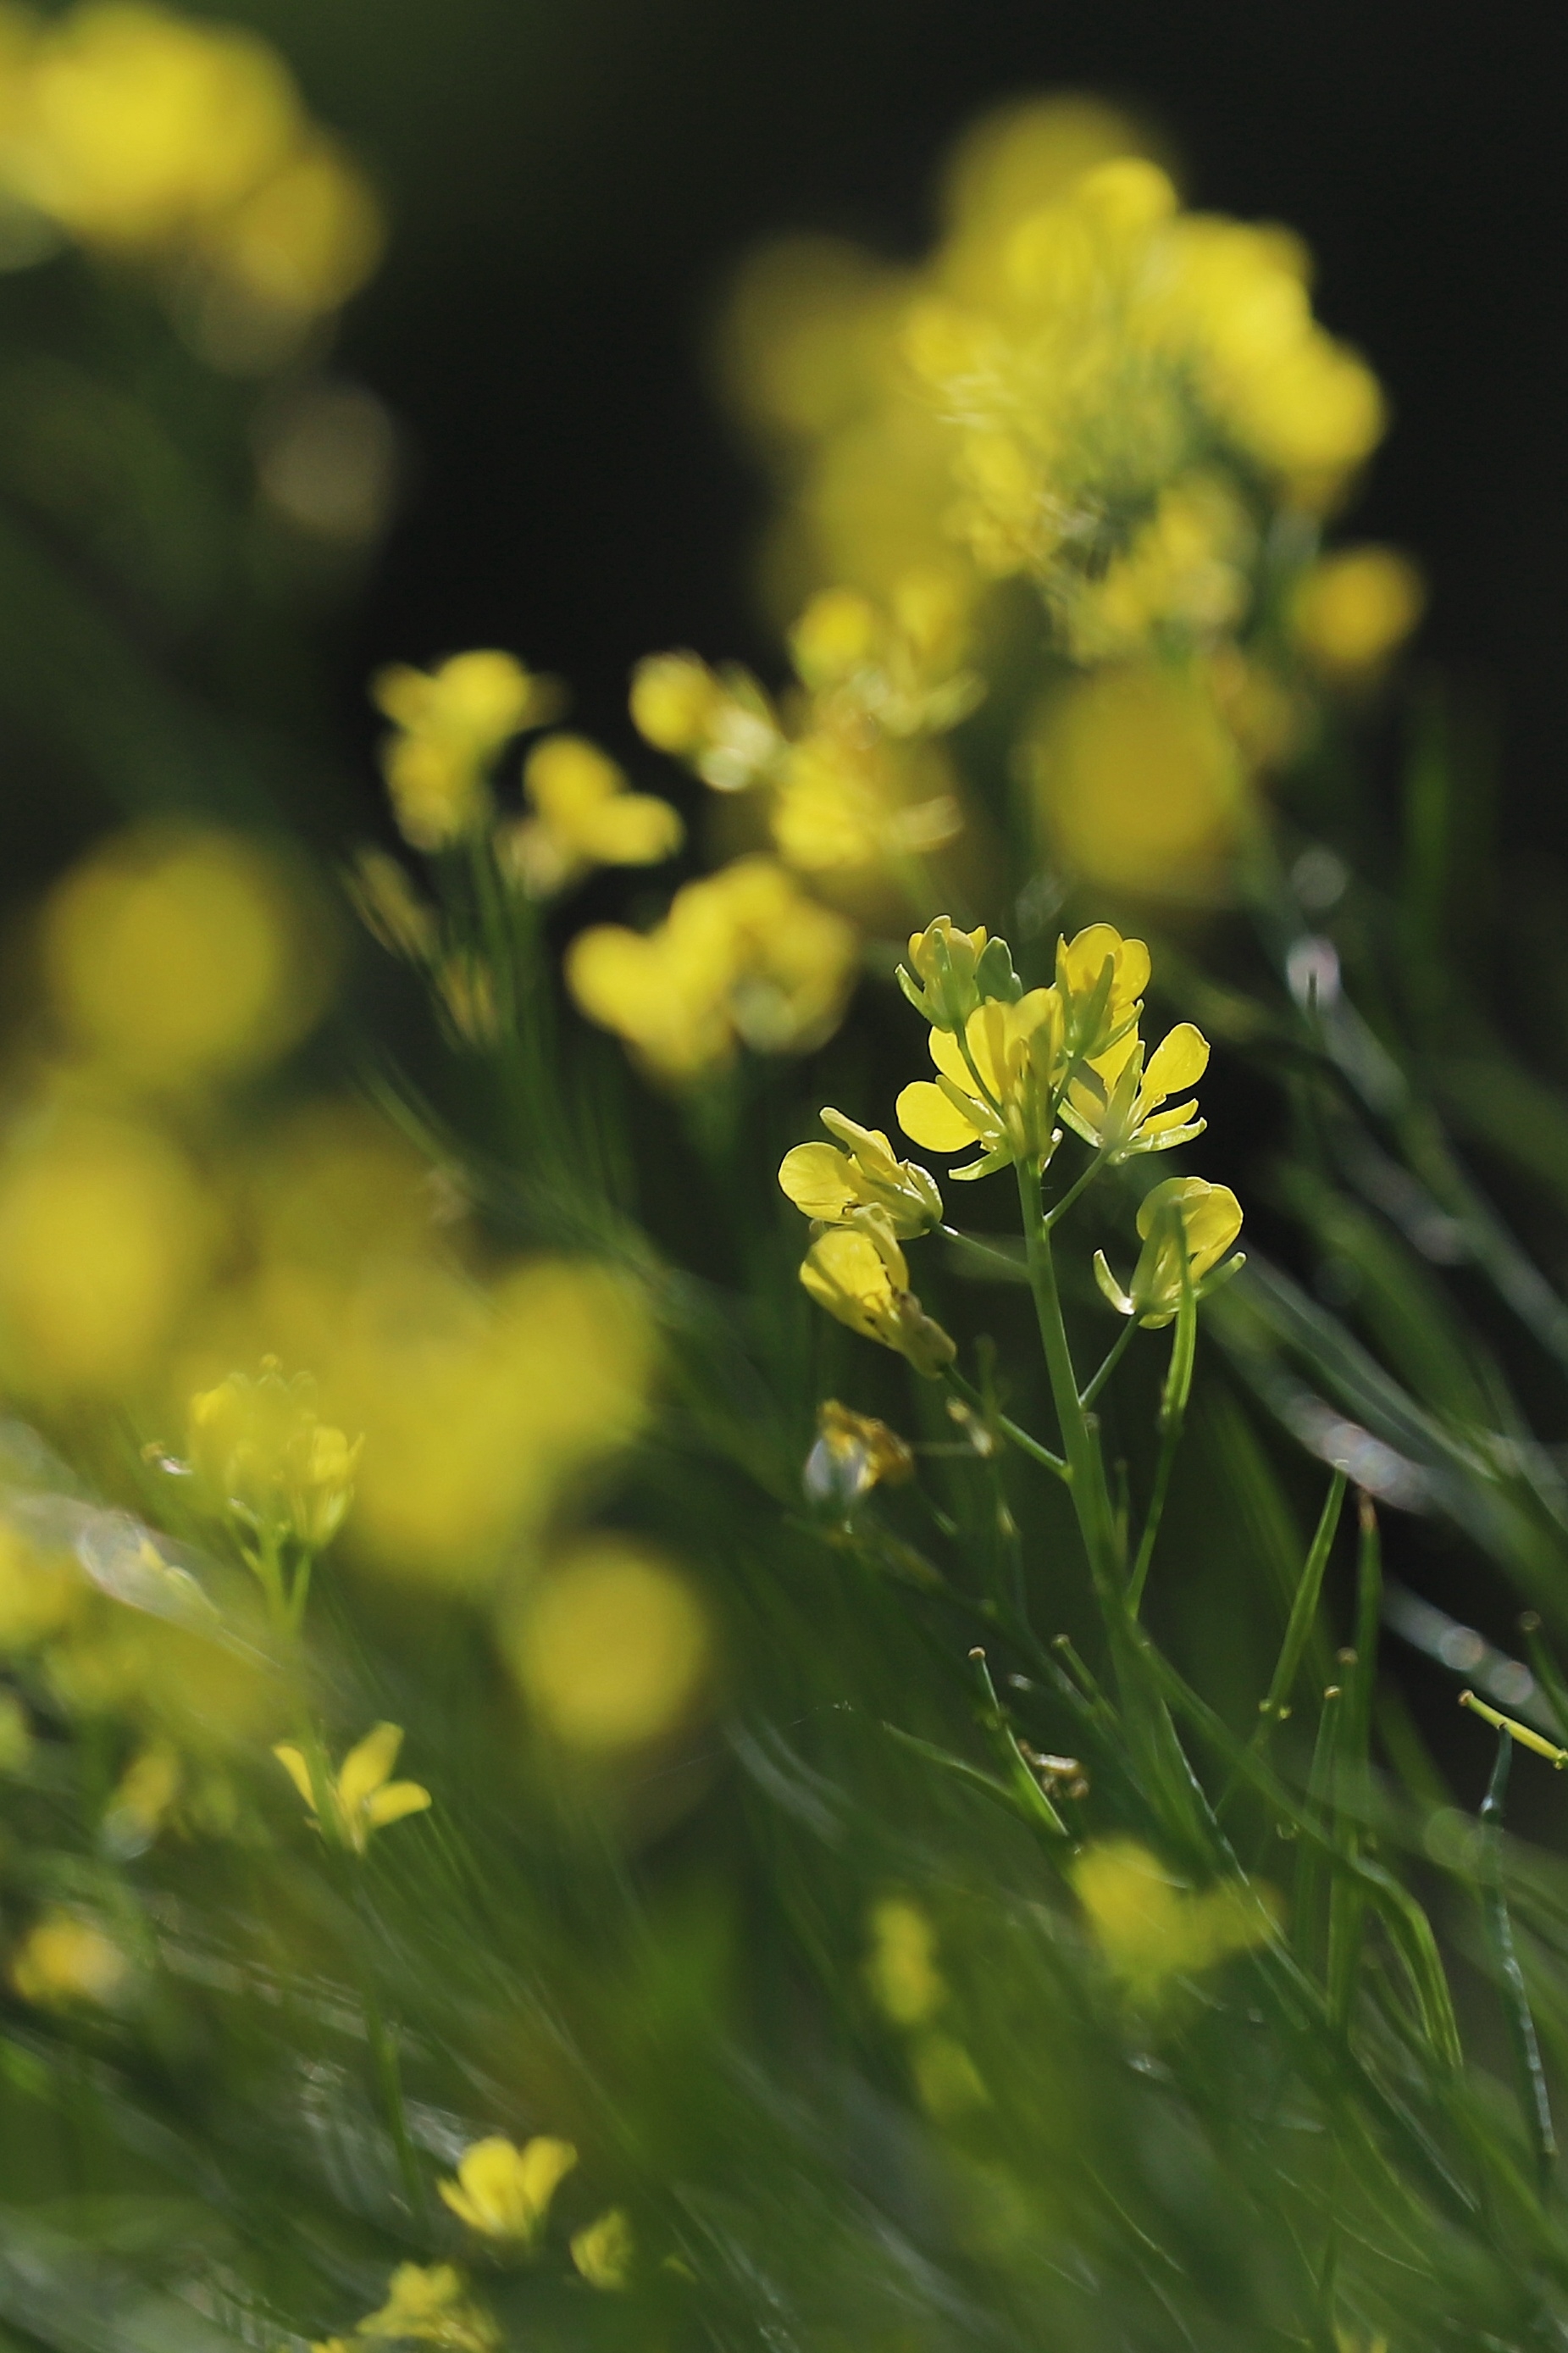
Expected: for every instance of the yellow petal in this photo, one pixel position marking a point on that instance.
(566, 775)
(366, 1766)
(299, 1772)
(844, 1270)
(1179, 1061)
(817, 1179)
(393, 1802)
(930, 1119)
(544, 2166)
(603, 2250)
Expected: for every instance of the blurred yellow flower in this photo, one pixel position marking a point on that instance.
(827, 1186)
(504, 2192)
(854, 1453)
(453, 722)
(859, 1273)
(603, 2249)
(1151, 1929)
(104, 1235)
(429, 2305)
(611, 1648)
(361, 1798)
(175, 958)
(900, 1968)
(743, 957)
(1355, 609)
(583, 817)
(264, 1455)
(64, 1959)
(1187, 1225)
(720, 721)
(41, 1590)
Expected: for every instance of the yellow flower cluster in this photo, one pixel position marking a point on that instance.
(743, 957)
(264, 1456)
(426, 2304)
(141, 134)
(1151, 1930)
(503, 2193)
(452, 725)
(853, 776)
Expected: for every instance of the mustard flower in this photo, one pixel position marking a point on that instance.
(997, 1088)
(64, 1960)
(859, 1274)
(361, 1798)
(428, 2304)
(452, 723)
(503, 2193)
(1100, 978)
(828, 1186)
(584, 816)
(721, 721)
(265, 1458)
(854, 1453)
(1117, 1103)
(956, 972)
(602, 2250)
(1353, 610)
(1186, 1225)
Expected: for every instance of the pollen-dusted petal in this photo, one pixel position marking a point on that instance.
(929, 1119)
(368, 1763)
(393, 1801)
(1179, 1061)
(299, 1772)
(816, 1179)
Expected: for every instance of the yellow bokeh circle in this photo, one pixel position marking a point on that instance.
(612, 1648)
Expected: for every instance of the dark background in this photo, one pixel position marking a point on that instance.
(571, 182)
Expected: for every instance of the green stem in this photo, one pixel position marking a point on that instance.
(1085, 1468)
(1172, 1417)
(1117, 1350)
(1511, 1977)
(1009, 1430)
(1081, 1184)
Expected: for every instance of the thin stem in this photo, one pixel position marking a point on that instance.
(1117, 1350)
(1009, 1430)
(1172, 1417)
(1511, 1977)
(1086, 1471)
(1081, 1184)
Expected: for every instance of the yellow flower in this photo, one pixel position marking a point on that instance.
(854, 1453)
(998, 1087)
(859, 1273)
(64, 1959)
(954, 972)
(602, 2250)
(1353, 610)
(1151, 1929)
(1116, 1102)
(722, 723)
(1101, 978)
(265, 1458)
(452, 723)
(828, 1186)
(743, 958)
(584, 816)
(428, 2305)
(504, 2192)
(901, 1969)
(360, 1798)
(1187, 1226)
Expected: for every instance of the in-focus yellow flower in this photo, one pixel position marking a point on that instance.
(585, 816)
(429, 2305)
(603, 2249)
(859, 1274)
(1117, 1101)
(997, 1088)
(1151, 1929)
(64, 1959)
(361, 1798)
(828, 1186)
(263, 1455)
(854, 1453)
(504, 2192)
(743, 957)
(1101, 978)
(954, 972)
(453, 722)
(1355, 609)
(1187, 1226)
